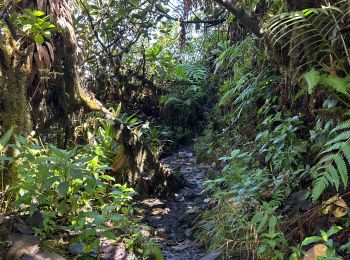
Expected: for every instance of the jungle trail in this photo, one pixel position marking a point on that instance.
(174, 129)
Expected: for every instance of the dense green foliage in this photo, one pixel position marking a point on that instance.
(268, 110)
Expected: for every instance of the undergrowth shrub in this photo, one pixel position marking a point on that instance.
(71, 187)
(183, 105)
(253, 185)
(74, 192)
(240, 219)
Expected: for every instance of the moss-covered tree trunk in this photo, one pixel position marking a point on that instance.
(67, 95)
(14, 69)
(14, 108)
(142, 169)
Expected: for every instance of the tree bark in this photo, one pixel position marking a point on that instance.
(14, 69)
(68, 97)
(144, 171)
(14, 109)
(247, 21)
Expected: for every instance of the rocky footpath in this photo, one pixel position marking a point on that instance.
(173, 218)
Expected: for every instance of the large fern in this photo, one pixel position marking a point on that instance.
(318, 35)
(237, 58)
(332, 168)
(195, 73)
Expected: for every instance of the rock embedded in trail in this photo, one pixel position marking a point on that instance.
(22, 244)
(76, 248)
(23, 228)
(213, 255)
(174, 217)
(35, 220)
(27, 247)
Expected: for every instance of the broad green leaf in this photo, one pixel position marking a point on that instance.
(117, 112)
(92, 6)
(310, 240)
(47, 34)
(49, 181)
(63, 188)
(72, 152)
(121, 14)
(98, 218)
(39, 39)
(272, 224)
(333, 230)
(135, 3)
(293, 256)
(107, 177)
(108, 234)
(262, 223)
(26, 27)
(62, 154)
(261, 249)
(77, 174)
(38, 13)
(324, 235)
(118, 218)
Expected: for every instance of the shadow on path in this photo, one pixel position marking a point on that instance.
(173, 218)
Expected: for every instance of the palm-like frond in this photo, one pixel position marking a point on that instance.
(317, 35)
(193, 72)
(230, 54)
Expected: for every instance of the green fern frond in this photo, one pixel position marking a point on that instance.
(332, 168)
(346, 151)
(341, 137)
(342, 170)
(313, 33)
(194, 72)
(320, 185)
(333, 147)
(342, 126)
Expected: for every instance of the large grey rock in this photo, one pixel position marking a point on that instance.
(35, 220)
(76, 248)
(213, 255)
(22, 244)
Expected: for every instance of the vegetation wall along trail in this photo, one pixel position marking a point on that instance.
(92, 93)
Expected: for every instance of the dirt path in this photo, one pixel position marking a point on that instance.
(173, 218)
